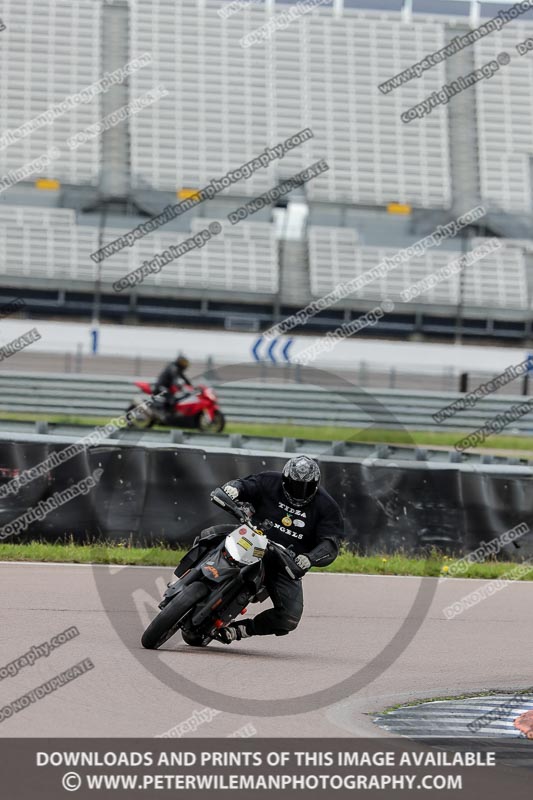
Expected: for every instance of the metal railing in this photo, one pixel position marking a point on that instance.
(294, 404)
(346, 448)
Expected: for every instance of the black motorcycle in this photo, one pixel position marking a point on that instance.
(220, 575)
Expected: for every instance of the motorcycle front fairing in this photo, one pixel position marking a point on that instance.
(200, 546)
(187, 570)
(231, 563)
(243, 550)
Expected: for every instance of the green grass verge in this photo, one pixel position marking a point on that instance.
(321, 432)
(377, 435)
(91, 554)
(434, 565)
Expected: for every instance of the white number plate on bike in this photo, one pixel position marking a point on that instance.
(245, 545)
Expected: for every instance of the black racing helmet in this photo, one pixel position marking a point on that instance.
(300, 479)
(182, 362)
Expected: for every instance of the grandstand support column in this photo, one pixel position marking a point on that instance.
(465, 247)
(294, 280)
(116, 163)
(462, 129)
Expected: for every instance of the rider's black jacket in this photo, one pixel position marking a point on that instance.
(172, 374)
(316, 529)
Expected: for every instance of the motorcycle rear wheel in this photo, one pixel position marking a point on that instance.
(215, 425)
(167, 622)
(142, 420)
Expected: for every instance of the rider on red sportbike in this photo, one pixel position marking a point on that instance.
(176, 402)
(171, 382)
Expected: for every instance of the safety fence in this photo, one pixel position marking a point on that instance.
(152, 493)
(247, 401)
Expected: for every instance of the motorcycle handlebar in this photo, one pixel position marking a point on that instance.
(286, 556)
(220, 498)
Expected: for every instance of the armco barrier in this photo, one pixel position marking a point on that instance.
(247, 401)
(158, 493)
(272, 444)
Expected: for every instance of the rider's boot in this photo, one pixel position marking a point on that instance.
(235, 631)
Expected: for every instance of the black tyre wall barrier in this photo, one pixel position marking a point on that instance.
(153, 494)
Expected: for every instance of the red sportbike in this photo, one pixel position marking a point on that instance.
(198, 409)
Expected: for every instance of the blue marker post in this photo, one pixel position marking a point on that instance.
(525, 382)
(95, 336)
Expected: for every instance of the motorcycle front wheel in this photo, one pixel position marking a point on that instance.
(215, 425)
(167, 622)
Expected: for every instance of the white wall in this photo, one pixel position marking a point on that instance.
(225, 347)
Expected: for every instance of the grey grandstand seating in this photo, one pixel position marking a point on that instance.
(47, 243)
(227, 103)
(52, 50)
(242, 259)
(505, 121)
(36, 216)
(497, 281)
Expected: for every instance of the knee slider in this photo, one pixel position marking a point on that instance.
(290, 623)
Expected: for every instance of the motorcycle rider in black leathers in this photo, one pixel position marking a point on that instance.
(173, 375)
(304, 516)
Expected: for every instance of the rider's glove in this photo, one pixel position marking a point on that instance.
(231, 491)
(302, 564)
(247, 508)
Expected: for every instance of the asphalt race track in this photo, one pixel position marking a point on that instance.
(366, 625)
